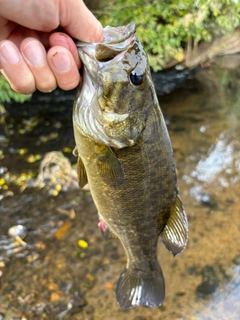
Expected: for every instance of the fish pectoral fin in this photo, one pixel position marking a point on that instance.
(82, 175)
(136, 287)
(109, 167)
(175, 233)
(75, 152)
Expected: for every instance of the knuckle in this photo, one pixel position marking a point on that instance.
(24, 87)
(68, 84)
(47, 87)
(46, 82)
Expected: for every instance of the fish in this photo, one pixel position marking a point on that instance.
(125, 155)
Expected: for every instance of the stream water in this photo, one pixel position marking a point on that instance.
(65, 269)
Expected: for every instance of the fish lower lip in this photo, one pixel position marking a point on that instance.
(115, 117)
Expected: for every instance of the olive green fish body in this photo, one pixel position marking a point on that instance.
(125, 154)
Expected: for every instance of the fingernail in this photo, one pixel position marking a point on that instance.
(35, 53)
(61, 61)
(10, 53)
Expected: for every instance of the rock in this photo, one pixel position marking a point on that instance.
(208, 201)
(209, 281)
(76, 303)
(236, 260)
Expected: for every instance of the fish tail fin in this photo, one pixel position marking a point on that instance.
(136, 287)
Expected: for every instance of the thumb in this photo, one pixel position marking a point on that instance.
(78, 21)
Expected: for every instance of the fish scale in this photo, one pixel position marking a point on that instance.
(125, 154)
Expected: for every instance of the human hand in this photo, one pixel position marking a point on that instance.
(33, 53)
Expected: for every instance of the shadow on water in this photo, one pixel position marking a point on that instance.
(65, 269)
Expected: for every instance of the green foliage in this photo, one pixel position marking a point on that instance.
(7, 94)
(167, 28)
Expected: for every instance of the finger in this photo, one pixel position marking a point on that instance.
(45, 15)
(21, 33)
(64, 67)
(63, 40)
(15, 68)
(39, 15)
(78, 21)
(6, 27)
(35, 56)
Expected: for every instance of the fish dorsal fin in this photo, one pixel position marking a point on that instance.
(82, 175)
(175, 233)
(109, 167)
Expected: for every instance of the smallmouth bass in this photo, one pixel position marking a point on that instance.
(125, 154)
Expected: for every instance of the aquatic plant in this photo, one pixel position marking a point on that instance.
(8, 95)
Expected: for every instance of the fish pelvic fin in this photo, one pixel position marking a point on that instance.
(175, 233)
(136, 287)
(82, 175)
(81, 171)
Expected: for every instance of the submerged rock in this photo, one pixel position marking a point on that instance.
(76, 303)
(209, 281)
(208, 201)
(236, 260)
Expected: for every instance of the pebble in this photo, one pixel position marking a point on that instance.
(208, 201)
(76, 303)
(82, 244)
(109, 285)
(209, 281)
(236, 260)
(54, 297)
(17, 230)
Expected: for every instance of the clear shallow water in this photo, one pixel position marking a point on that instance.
(40, 281)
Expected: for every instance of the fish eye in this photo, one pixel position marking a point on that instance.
(136, 77)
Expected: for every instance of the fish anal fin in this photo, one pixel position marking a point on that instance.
(175, 233)
(109, 167)
(136, 287)
(82, 175)
(109, 235)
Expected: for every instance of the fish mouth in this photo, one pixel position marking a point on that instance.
(114, 35)
(116, 40)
